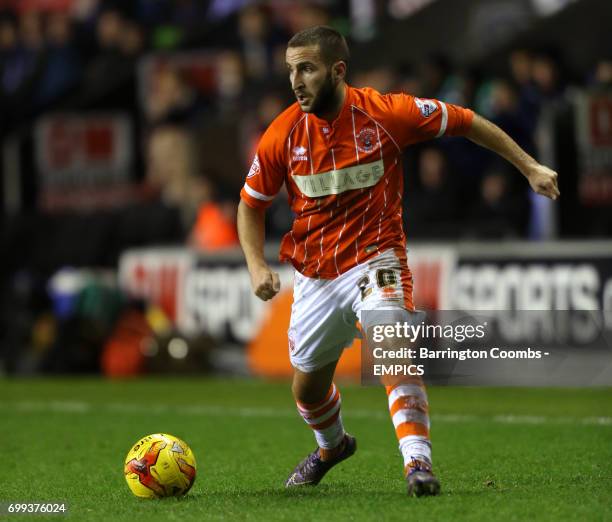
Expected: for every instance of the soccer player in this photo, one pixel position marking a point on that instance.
(338, 150)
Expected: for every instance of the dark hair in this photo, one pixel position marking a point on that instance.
(331, 43)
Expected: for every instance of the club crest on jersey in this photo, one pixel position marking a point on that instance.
(367, 139)
(299, 153)
(427, 107)
(254, 167)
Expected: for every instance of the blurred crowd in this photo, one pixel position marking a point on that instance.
(203, 79)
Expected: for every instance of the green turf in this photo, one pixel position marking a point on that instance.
(501, 454)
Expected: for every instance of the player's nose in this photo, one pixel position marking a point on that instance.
(296, 82)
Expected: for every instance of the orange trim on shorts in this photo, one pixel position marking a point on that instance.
(406, 278)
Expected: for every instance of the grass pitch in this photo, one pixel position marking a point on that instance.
(501, 454)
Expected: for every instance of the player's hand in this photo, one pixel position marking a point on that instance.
(543, 181)
(264, 282)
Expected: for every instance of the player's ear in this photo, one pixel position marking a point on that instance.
(339, 71)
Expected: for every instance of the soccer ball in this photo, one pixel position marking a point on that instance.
(160, 465)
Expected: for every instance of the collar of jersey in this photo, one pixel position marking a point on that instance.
(345, 106)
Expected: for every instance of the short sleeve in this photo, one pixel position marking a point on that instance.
(267, 173)
(420, 119)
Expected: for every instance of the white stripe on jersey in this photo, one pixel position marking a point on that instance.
(306, 240)
(258, 195)
(444, 120)
(362, 227)
(310, 151)
(384, 192)
(339, 238)
(294, 245)
(354, 133)
(289, 142)
(321, 239)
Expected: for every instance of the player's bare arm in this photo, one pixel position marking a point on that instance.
(251, 231)
(542, 179)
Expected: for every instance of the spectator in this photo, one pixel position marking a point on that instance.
(409, 81)
(306, 14)
(172, 99)
(501, 212)
(230, 83)
(261, 42)
(9, 73)
(382, 78)
(62, 66)
(131, 41)
(269, 106)
(24, 62)
(110, 63)
(435, 71)
(215, 223)
(431, 208)
(171, 163)
(521, 65)
(603, 73)
(546, 74)
(506, 112)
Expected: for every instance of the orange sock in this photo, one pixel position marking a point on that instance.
(326, 422)
(410, 415)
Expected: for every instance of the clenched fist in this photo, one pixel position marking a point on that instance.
(264, 282)
(543, 181)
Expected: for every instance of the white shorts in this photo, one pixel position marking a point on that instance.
(325, 312)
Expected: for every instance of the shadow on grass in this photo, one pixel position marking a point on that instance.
(345, 491)
(323, 492)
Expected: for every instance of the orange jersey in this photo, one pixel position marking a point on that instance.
(345, 178)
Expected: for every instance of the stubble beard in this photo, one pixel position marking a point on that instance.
(325, 101)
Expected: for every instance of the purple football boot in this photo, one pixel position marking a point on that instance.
(312, 469)
(421, 480)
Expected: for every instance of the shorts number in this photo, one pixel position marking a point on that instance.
(386, 277)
